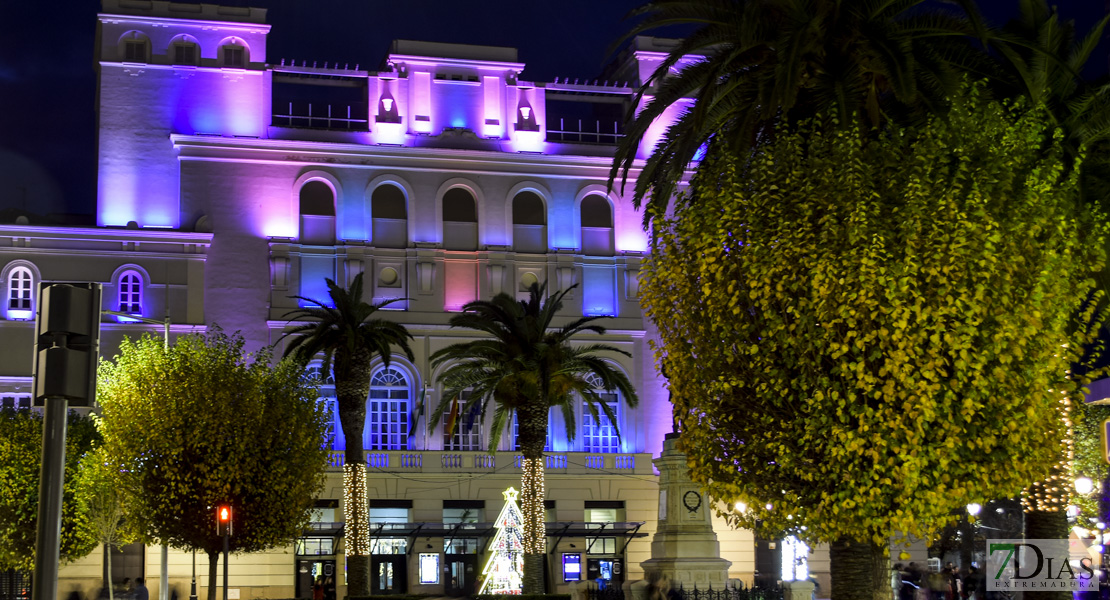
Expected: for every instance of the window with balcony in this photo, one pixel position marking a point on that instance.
(317, 200)
(597, 226)
(467, 436)
(388, 411)
(390, 217)
(21, 304)
(131, 293)
(529, 223)
(600, 434)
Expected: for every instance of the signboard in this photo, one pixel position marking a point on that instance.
(429, 568)
(572, 567)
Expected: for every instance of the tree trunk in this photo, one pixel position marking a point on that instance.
(967, 542)
(108, 571)
(213, 573)
(860, 571)
(532, 422)
(532, 509)
(1047, 525)
(351, 390)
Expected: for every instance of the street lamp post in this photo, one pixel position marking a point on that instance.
(164, 581)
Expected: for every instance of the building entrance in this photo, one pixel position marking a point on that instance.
(308, 571)
(388, 574)
(462, 573)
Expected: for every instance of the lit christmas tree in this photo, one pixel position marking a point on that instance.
(505, 568)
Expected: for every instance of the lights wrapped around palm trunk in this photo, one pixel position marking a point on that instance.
(531, 505)
(1054, 492)
(354, 506)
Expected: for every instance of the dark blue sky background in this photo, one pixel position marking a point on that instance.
(47, 80)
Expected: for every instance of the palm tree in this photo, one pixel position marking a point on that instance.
(525, 366)
(349, 336)
(760, 63)
(1042, 58)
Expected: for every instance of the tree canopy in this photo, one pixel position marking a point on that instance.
(200, 424)
(20, 461)
(901, 311)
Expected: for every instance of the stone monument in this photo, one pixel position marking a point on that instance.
(684, 549)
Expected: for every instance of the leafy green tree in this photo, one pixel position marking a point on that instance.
(864, 336)
(348, 335)
(760, 64)
(104, 502)
(198, 425)
(526, 365)
(20, 461)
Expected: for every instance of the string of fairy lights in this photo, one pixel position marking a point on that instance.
(1054, 492)
(531, 505)
(357, 526)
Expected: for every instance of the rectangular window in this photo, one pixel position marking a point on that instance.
(600, 435)
(460, 546)
(331, 409)
(601, 545)
(234, 57)
(15, 401)
(388, 546)
(184, 54)
(134, 51)
(310, 546)
(389, 419)
(468, 429)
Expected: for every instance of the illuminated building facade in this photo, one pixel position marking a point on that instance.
(229, 182)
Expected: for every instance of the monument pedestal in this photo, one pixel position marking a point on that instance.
(684, 548)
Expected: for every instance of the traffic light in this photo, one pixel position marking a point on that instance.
(223, 519)
(67, 338)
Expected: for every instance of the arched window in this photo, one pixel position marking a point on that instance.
(20, 294)
(317, 213)
(529, 223)
(131, 293)
(460, 220)
(388, 414)
(468, 427)
(234, 54)
(134, 47)
(597, 226)
(600, 435)
(390, 217)
(184, 50)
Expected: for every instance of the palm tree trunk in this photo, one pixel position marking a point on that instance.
(351, 389)
(1046, 525)
(533, 436)
(860, 571)
(532, 508)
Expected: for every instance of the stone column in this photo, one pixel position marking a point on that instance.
(684, 548)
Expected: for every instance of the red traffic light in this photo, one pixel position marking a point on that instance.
(223, 519)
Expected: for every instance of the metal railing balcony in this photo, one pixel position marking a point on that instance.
(446, 461)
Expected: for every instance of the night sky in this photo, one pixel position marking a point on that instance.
(47, 123)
